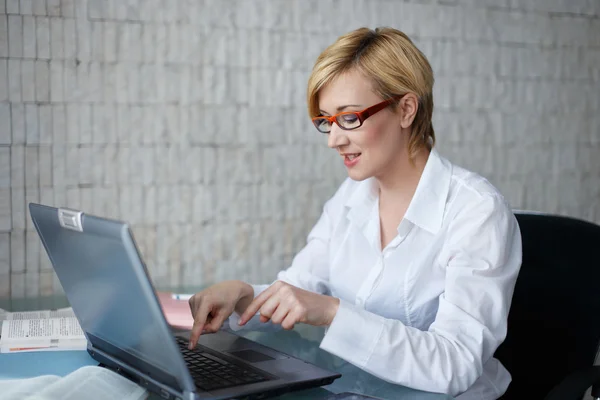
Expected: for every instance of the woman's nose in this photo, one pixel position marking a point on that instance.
(337, 137)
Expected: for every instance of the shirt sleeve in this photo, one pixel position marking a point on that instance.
(482, 257)
(310, 266)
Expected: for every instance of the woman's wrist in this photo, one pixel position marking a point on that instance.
(245, 297)
(333, 309)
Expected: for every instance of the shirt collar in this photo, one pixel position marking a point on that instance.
(362, 200)
(426, 209)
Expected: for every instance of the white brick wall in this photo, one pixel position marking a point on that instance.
(39, 7)
(5, 130)
(53, 7)
(189, 121)
(42, 38)
(42, 81)
(14, 80)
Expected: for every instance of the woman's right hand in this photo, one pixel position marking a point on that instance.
(212, 306)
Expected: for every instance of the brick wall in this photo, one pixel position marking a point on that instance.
(187, 119)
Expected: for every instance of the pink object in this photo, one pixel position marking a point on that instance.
(177, 312)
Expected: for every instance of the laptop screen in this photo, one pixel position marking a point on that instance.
(106, 284)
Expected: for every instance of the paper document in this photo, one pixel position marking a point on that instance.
(41, 331)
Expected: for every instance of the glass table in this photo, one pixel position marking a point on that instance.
(302, 342)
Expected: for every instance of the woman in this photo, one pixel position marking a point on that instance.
(413, 261)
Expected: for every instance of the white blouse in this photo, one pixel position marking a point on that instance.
(429, 310)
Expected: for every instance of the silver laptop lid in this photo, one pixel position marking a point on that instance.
(107, 285)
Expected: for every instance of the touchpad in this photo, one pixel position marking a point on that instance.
(251, 356)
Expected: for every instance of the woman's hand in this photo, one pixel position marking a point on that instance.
(288, 305)
(212, 306)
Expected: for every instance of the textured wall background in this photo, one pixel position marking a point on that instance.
(187, 119)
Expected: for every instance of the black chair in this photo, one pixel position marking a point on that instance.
(554, 321)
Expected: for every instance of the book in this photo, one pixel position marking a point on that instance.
(52, 330)
(90, 383)
(44, 330)
(176, 309)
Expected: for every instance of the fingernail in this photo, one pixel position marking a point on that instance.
(240, 321)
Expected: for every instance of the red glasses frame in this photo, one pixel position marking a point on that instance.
(361, 115)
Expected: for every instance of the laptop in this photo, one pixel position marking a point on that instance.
(109, 289)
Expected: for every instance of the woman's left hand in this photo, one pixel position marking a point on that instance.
(288, 305)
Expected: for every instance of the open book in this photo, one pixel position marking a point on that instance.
(90, 383)
(41, 331)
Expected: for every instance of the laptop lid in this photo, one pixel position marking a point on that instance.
(106, 283)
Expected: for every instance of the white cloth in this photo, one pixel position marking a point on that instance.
(429, 311)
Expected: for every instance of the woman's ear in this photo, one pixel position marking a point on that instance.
(408, 106)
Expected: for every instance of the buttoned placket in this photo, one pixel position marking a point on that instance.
(373, 229)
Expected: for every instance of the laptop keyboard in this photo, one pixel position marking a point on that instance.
(211, 372)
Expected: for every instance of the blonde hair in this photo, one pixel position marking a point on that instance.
(394, 65)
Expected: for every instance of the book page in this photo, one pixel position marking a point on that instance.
(93, 383)
(35, 334)
(89, 383)
(19, 389)
(43, 314)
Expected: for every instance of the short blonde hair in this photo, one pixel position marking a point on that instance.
(394, 65)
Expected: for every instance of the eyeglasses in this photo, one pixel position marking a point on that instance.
(351, 119)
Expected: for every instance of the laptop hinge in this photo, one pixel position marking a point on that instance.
(137, 376)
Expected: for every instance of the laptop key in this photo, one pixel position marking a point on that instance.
(210, 372)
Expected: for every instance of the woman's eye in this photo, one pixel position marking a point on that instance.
(349, 117)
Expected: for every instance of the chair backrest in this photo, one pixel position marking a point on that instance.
(554, 321)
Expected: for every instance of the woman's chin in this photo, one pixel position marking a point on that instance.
(357, 175)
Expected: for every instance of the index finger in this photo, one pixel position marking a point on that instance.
(199, 321)
(256, 304)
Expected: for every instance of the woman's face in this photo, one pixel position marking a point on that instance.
(371, 149)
